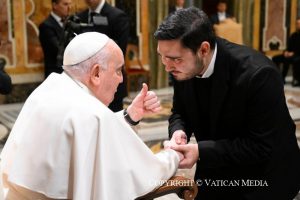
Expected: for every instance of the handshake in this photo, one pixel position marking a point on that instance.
(188, 153)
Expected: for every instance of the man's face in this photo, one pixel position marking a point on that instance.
(62, 8)
(111, 77)
(298, 25)
(180, 3)
(181, 62)
(221, 7)
(93, 3)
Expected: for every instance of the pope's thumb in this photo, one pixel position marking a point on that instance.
(144, 90)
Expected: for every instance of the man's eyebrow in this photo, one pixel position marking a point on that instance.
(171, 57)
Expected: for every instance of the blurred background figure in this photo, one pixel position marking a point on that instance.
(5, 80)
(291, 56)
(5, 88)
(221, 14)
(179, 4)
(52, 34)
(114, 23)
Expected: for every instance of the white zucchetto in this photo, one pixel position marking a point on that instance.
(84, 46)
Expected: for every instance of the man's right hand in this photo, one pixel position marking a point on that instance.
(190, 155)
(288, 54)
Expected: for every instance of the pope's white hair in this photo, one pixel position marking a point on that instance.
(82, 69)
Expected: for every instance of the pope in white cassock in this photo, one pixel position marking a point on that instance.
(66, 143)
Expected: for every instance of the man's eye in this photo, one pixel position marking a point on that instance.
(177, 60)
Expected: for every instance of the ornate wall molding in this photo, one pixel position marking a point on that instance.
(274, 31)
(8, 48)
(21, 47)
(33, 51)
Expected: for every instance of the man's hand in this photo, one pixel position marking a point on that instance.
(190, 154)
(181, 157)
(288, 54)
(145, 102)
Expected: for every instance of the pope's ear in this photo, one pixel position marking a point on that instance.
(96, 73)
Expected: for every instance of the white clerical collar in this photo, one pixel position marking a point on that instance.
(222, 16)
(57, 18)
(99, 7)
(210, 69)
(178, 8)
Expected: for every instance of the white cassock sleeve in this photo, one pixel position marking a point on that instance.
(123, 167)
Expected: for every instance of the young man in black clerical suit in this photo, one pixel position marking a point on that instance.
(231, 98)
(114, 23)
(51, 32)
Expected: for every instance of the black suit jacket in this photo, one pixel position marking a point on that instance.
(50, 36)
(251, 135)
(117, 29)
(5, 83)
(294, 43)
(172, 9)
(215, 19)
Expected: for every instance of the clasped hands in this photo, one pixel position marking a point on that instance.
(188, 153)
(147, 102)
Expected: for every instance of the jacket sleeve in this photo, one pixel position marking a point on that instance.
(266, 119)
(121, 30)
(177, 118)
(48, 38)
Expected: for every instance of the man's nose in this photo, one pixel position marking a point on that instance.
(168, 66)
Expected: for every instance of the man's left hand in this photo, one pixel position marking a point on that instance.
(145, 102)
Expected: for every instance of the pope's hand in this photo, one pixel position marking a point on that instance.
(178, 138)
(145, 102)
(168, 145)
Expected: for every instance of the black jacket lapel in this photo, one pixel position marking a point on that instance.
(219, 86)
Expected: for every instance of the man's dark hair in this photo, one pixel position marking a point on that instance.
(55, 1)
(191, 25)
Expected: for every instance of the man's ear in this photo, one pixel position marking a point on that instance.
(204, 49)
(96, 74)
